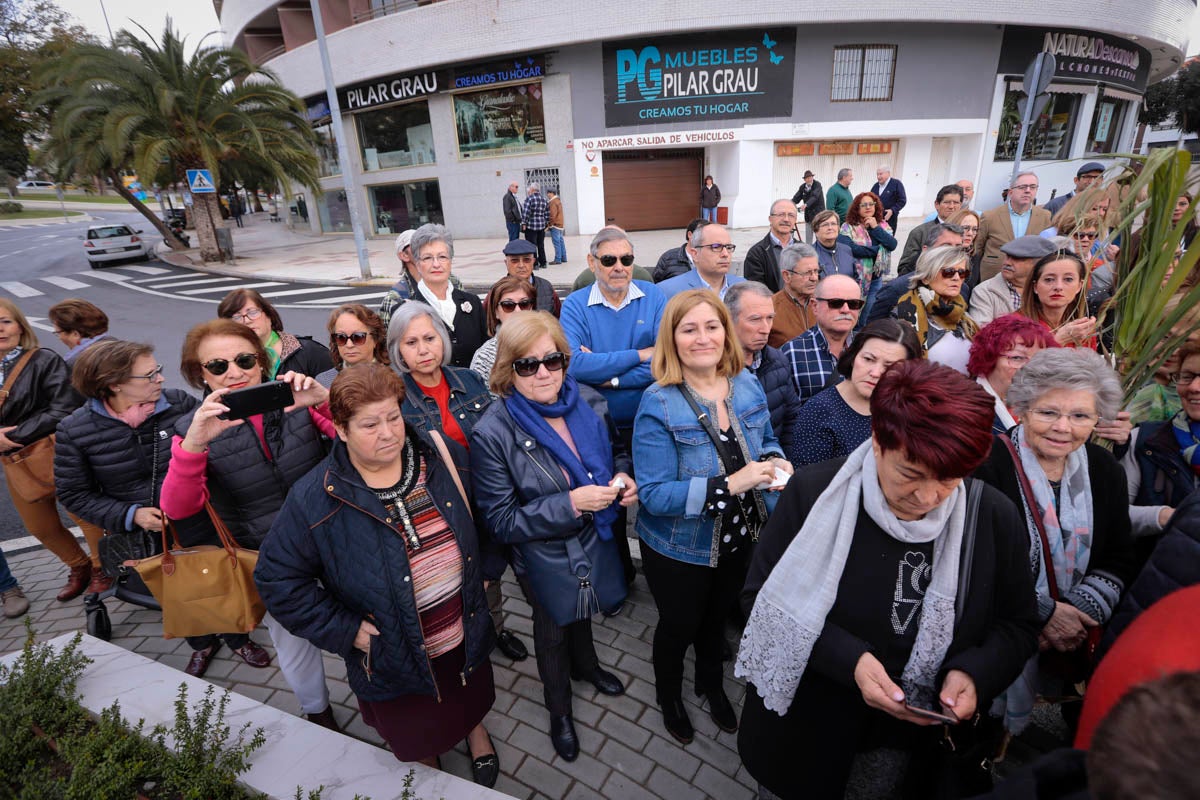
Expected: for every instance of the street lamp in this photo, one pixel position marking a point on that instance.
(105, 13)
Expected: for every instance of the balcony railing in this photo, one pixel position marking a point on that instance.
(388, 7)
(274, 52)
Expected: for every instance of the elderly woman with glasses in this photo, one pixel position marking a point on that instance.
(1073, 498)
(507, 296)
(1056, 296)
(1001, 348)
(285, 352)
(548, 483)
(934, 305)
(356, 336)
(833, 253)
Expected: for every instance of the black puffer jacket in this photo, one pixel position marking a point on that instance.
(246, 488)
(333, 529)
(302, 354)
(41, 398)
(775, 375)
(102, 467)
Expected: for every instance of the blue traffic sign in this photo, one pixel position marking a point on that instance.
(200, 181)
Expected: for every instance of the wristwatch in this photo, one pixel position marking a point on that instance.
(615, 382)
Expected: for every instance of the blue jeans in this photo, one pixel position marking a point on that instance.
(7, 581)
(560, 246)
(514, 230)
(872, 290)
(709, 214)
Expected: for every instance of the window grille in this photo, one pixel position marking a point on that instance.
(545, 177)
(863, 72)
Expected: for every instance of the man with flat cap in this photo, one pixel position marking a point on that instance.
(809, 198)
(1001, 293)
(519, 258)
(1085, 176)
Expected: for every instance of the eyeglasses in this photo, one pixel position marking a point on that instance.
(359, 337)
(1017, 361)
(949, 272)
(219, 366)
(808, 273)
(248, 316)
(440, 259)
(1049, 416)
(785, 214)
(1085, 235)
(553, 362)
(521, 259)
(1025, 187)
(149, 376)
(609, 260)
(836, 303)
(717, 247)
(511, 305)
(866, 204)
(1185, 378)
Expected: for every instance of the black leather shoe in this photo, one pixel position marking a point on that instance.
(511, 646)
(198, 664)
(675, 718)
(604, 681)
(485, 769)
(563, 737)
(720, 709)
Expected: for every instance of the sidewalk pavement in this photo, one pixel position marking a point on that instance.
(272, 251)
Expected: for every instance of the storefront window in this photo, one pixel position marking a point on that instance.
(500, 122)
(1107, 123)
(399, 136)
(397, 207)
(327, 151)
(1052, 130)
(334, 212)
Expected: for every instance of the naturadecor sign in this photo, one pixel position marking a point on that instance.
(736, 75)
(1079, 55)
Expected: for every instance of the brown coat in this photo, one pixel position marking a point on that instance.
(791, 319)
(995, 231)
(556, 212)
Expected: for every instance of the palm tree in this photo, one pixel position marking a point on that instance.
(146, 106)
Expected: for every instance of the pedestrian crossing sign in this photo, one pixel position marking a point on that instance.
(200, 181)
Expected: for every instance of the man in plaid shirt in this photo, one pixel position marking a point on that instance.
(535, 218)
(836, 303)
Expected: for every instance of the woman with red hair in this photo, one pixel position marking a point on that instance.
(871, 241)
(1001, 348)
(862, 630)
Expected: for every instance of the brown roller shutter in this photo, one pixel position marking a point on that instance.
(652, 189)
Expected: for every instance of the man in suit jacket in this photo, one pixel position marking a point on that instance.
(512, 211)
(1000, 225)
(762, 260)
(810, 198)
(949, 200)
(891, 193)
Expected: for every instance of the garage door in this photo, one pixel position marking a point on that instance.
(652, 189)
(789, 170)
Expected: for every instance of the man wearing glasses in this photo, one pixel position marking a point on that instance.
(800, 272)
(813, 355)
(1000, 225)
(762, 260)
(519, 258)
(712, 255)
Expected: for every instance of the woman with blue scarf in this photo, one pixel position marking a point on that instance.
(547, 482)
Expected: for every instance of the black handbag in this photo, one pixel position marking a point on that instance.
(117, 547)
(575, 577)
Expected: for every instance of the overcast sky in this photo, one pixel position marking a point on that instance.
(194, 18)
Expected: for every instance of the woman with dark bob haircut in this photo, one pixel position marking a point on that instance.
(861, 608)
(375, 557)
(285, 352)
(356, 336)
(77, 324)
(838, 419)
(509, 295)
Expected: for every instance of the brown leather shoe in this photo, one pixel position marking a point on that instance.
(77, 581)
(100, 582)
(325, 719)
(253, 655)
(198, 663)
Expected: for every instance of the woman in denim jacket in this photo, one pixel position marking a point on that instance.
(700, 508)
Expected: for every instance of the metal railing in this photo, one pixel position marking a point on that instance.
(274, 52)
(387, 8)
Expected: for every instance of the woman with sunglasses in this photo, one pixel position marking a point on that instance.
(507, 296)
(968, 220)
(871, 242)
(244, 468)
(934, 305)
(356, 336)
(285, 352)
(708, 464)
(545, 472)
(1055, 296)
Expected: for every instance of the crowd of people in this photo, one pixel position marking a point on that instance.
(909, 480)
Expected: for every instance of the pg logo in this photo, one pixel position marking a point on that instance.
(639, 67)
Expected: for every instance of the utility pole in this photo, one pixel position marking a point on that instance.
(105, 13)
(348, 177)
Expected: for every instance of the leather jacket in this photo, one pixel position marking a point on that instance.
(41, 397)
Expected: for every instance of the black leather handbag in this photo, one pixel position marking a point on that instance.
(577, 576)
(117, 547)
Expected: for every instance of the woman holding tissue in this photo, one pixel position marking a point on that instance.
(706, 458)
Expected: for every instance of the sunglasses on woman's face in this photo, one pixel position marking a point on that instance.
(219, 366)
(529, 366)
(358, 338)
(512, 305)
(610, 260)
(949, 272)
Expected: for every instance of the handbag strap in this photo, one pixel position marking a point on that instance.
(11, 378)
(706, 423)
(444, 453)
(1031, 502)
(967, 551)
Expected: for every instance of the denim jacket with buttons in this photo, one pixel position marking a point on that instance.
(469, 398)
(673, 458)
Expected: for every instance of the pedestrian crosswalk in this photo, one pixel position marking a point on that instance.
(190, 285)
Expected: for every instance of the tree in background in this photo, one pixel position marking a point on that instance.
(147, 106)
(1177, 97)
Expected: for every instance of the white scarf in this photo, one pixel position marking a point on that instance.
(789, 613)
(1002, 413)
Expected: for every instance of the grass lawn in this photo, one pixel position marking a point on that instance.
(72, 197)
(40, 213)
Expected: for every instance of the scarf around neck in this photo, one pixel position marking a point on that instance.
(1187, 433)
(950, 313)
(133, 416)
(593, 465)
(1002, 413)
(789, 613)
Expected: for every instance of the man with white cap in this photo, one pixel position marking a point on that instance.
(406, 283)
(1001, 293)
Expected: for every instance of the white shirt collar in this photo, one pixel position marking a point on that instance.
(596, 297)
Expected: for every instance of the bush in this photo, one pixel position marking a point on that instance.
(10, 207)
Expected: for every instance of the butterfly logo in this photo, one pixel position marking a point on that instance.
(767, 42)
(776, 59)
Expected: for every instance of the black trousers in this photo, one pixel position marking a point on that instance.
(621, 526)
(232, 640)
(693, 606)
(538, 238)
(560, 650)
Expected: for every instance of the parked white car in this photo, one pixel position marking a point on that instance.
(113, 243)
(35, 185)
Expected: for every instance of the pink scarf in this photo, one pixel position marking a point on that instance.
(133, 416)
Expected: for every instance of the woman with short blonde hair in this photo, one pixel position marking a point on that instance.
(935, 306)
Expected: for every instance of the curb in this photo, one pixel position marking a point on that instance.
(34, 222)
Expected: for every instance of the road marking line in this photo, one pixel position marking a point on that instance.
(112, 277)
(348, 298)
(310, 290)
(19, 289)
(177, 277)
(147, 270)
(32, 543)
(66, 283)
(195, 282)
(128, 284)
(37, 323)
(231, 288)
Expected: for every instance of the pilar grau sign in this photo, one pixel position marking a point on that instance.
(731, 75)
(388, 89)
(1080, 55)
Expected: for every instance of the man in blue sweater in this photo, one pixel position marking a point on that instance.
(612, 326)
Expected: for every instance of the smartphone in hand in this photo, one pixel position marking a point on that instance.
(929, 713)
(259, 399)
